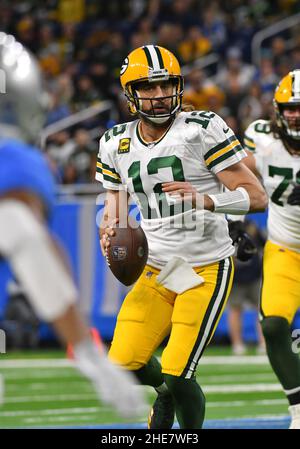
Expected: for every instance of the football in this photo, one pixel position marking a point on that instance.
(127, 254)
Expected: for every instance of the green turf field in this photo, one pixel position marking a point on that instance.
(42, 390)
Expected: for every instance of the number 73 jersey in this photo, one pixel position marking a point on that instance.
(280, 171)
(195, 148)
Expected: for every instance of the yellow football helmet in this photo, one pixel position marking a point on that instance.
(151, 63)
(287, 95)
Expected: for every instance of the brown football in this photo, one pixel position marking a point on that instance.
(127, 254)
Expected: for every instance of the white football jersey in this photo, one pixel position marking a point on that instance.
(280, 171)
(196, 146)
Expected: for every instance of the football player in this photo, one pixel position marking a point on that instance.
(163, 157)
(27, 193)
(274, 154)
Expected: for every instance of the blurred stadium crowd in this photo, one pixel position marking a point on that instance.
(81, 44)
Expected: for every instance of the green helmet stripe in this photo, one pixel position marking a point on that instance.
(159, 56)
(148, 56)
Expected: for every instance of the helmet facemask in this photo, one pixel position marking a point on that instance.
(157, 119)
(289, 125)
(287, 97)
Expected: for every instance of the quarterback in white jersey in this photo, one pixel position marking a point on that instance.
(174, 165)
(196, 147)
(275, 156)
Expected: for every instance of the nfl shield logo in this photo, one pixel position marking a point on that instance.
(119, 252)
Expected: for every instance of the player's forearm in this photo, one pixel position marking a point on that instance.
(257, 195)
(243, 199)
(239, 178)
(115, 210)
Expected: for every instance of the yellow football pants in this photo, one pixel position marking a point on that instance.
(280, 294)
(150, 312)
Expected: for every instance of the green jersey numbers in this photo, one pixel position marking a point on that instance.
(134, 172)
(262, 127)
(287, 175)
(202, 118)
(157, 205)
(115, 131)
(157, 163)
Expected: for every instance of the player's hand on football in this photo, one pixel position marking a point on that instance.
(294, 197)
(107, 231)
(246, 247)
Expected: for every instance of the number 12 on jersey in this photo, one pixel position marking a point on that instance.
(163, 209)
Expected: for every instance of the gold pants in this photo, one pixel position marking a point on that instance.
(150, 312)
(280, 294)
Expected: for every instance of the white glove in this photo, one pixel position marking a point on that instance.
(119, 388)
(113, 385)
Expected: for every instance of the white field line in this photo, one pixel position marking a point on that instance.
(66, 397)
(234, 360)
(261, 417)
(36, 363)
(64, 363)
(263, 402)
(67, 373)
(220, 389)
(39, 386)
(242, 388)
(57, 419)
(237, 388)
(234, 378)
(85, 386)
(37, 374)
(51, 411)
(51, 398)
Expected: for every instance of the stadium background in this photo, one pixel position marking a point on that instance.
(233, 53)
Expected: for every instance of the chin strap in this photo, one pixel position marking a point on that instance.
(157, 121)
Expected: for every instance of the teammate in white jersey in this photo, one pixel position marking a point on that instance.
(275, 156)
(174, 165)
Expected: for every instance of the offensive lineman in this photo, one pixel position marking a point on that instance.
(275, 156)
(27, 194)
(161, 158)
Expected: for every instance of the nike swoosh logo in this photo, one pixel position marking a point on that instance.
(226, 130)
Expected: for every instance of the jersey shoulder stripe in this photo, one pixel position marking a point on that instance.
(219, 147)
(249, 143)
(222, 151)
(225, 156)
(108, 173)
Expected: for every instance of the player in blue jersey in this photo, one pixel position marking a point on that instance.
(27, 192)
